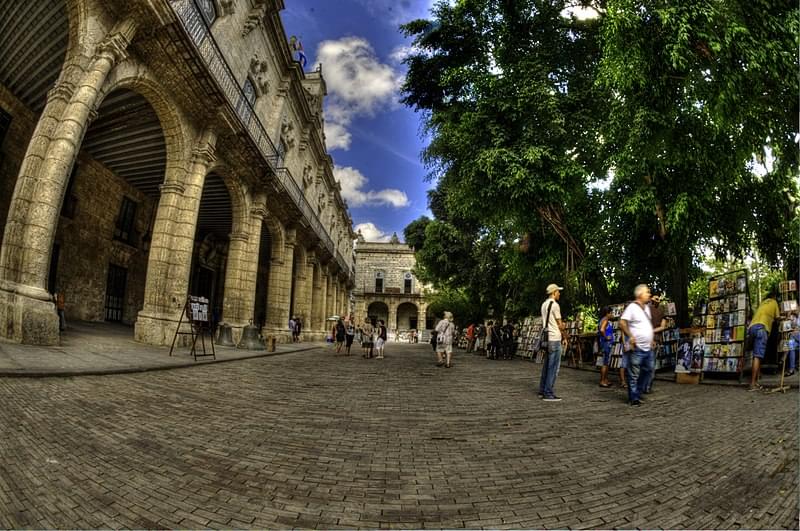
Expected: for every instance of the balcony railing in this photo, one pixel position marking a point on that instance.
(200, 35)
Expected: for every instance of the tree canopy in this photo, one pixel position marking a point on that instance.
(604, 151)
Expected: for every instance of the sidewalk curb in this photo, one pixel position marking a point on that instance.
(62, 373)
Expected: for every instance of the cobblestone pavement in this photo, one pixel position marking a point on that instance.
(315, 440)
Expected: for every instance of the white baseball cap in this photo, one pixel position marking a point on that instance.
(553, 287)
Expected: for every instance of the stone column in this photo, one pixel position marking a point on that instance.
(321, 298)
(392, 324)
(302, 289)
(170, 260)
(26, 311)
(279, 290)
(250, 263)
(421, 317)
(235, 311)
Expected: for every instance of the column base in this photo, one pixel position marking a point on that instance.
(28, 320)
(159, 331)
(281, 335)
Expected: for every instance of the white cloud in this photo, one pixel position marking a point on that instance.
(371, 233)
(399, 53)
(353, 182)
(358, 85)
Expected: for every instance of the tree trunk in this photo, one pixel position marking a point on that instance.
(679, 289)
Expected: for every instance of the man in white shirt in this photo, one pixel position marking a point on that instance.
(636, 323)
(551, 316)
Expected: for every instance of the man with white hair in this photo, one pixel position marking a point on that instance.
(636, 323)
(553, 326)
(445, 330)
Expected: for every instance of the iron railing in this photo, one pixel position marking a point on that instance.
(200, 35)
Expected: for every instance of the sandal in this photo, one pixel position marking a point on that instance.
(605, 385)
(754, 388)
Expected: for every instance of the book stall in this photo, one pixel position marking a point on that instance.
(667, 349)
(530, 335)
(789, 325)
(574, 351)
(726, 324)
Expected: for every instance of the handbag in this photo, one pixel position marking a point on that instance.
(543, 339)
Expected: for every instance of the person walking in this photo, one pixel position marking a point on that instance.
(298, 329)
(380, 339)
(659, 321)
(605, 338)
(553, 327)
(444, 340)
(490, 342)
(338, 335)
(60, 305)
(760, 329)
(291, 327)
(636, 323)
(470, 337)
(366, 338)
(349, 336)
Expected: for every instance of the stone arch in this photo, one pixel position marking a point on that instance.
(240, 204)
(135, 76)
(378, 309)
(407, 316)
(277, 237)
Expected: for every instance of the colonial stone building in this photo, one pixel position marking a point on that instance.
(387, 289)
(152, 149)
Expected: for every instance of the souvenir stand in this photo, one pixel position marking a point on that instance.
(725, 324)
(616, 345)
(788, 324)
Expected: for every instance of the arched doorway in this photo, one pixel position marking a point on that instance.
(34, 37)
(109, 207)
(378, 311)
(212, 240)
(262, 277)
(407, 317)
(430, 320)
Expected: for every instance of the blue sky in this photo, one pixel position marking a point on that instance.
(375, 142)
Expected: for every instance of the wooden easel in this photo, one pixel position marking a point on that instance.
(196, 312)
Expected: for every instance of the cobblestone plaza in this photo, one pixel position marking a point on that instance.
(317, 440)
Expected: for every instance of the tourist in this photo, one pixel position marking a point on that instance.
(794, 345)
(659, 322)
(760, 329)
(444, 340)
(490, 343)
(605, 338)
(298, 328)
(470, 337)
(507, 333)
(636, 323)
(60, 304)
(480, 342)
(291, 327)
(380, 339)
(338, 335)
(366, 338)
(553, 327)
(349, 333)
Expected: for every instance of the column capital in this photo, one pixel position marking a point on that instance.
(171, 187)
(61, 91)
(258, 212)
(239, 236)
(115, 44)
(204, 154)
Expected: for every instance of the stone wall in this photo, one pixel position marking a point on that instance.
(394, 260)
(87, 246)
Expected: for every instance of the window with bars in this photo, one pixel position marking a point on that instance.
(407, 283)
(123, 230)
(379, 282)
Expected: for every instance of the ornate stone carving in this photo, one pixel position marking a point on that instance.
(258, 73)
(227, 7)
(287, 132)
(255, 18)
(308, 177)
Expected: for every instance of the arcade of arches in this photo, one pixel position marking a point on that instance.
(126, 191)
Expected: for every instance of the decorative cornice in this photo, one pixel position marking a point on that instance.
(255, 18)
(175, 188)
(238, 236)
(61, 91)
(115, 44)
(204, 154)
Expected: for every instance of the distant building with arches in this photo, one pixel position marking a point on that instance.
(386, 288)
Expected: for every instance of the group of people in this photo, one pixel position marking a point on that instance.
(495, 340)
(371, 338)
(295, 328)
(767, 314)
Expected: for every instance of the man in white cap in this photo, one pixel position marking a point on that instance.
(553, 326)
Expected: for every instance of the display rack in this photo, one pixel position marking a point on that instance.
(617, 349)
(725, 323)
(574, 350)
(788, 325)
(667, 350)
(529, 337)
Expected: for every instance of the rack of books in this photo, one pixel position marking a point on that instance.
(617, 349)
(574, 350)
(529, 337)
(726, 318)
(667, 350)
(789, 322)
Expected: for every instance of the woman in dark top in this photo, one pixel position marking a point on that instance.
(340, 333)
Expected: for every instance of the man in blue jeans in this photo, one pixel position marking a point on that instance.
(635, 322)
(553, 326)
